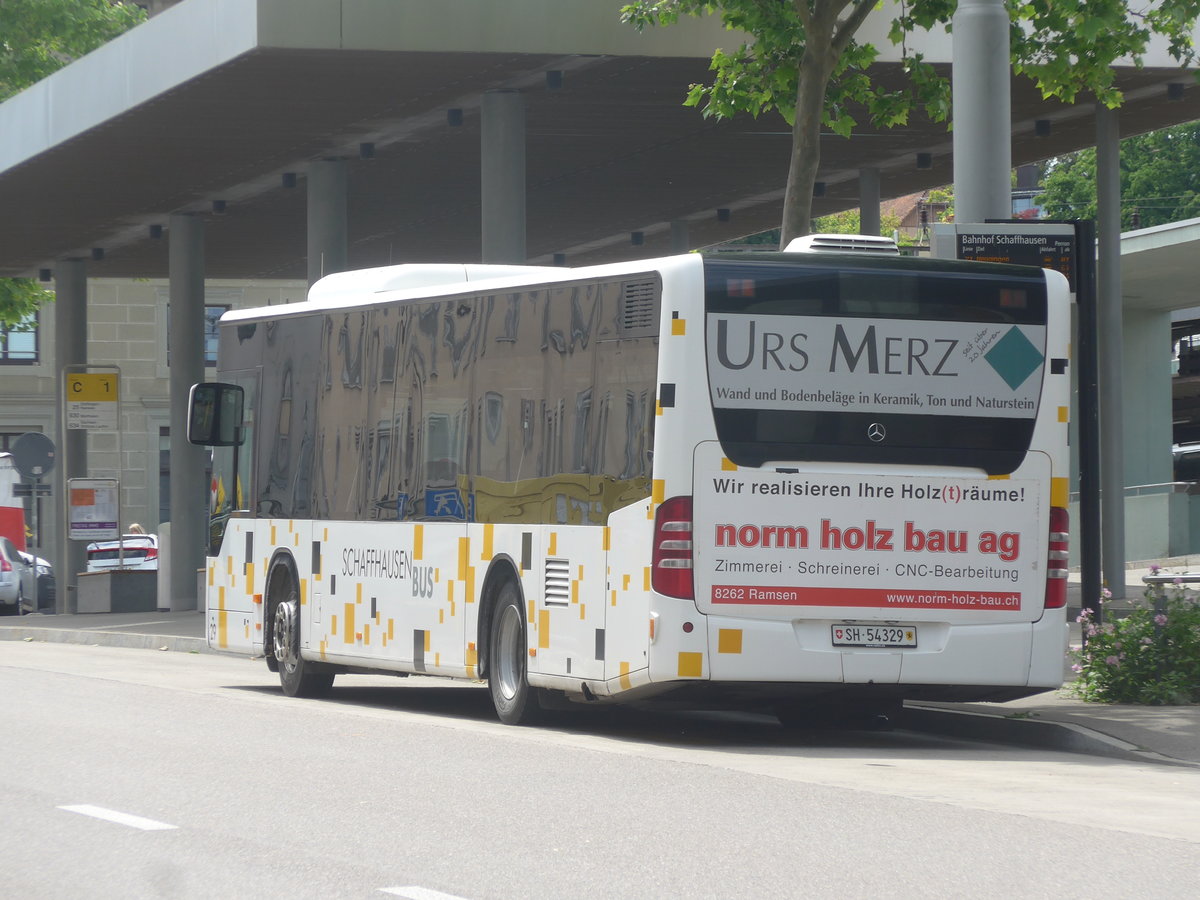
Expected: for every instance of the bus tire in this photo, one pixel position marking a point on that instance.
(297, 676)
(515, 701)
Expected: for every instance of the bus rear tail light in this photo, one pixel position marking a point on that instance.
(671, 563)
(1056, 560)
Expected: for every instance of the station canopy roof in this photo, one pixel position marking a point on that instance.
(224, 100)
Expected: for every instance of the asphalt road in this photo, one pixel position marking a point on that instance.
(408, 787)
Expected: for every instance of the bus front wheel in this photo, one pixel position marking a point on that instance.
(297, 676)
(515, 701)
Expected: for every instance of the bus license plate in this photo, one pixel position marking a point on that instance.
(874, 636)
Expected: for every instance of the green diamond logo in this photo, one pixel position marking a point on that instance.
(1014, 358)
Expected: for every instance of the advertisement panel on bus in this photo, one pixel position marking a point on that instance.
(797, 540)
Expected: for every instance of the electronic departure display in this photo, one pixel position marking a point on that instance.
(1021, 246)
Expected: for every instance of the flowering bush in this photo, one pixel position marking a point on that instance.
(1151, 656)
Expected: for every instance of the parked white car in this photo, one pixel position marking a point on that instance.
(133, 551)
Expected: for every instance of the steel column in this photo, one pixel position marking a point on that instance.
(189, 490)
(981, 109)
(502, 177)
(868, 201)
(679, 236)
(1111, 348)
(328, 185)
(70, 349)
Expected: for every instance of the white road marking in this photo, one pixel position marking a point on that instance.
(418, 893)
(111, 815)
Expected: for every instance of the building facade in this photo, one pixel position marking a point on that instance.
(127, 329)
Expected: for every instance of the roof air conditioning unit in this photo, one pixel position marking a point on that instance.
(843, 243)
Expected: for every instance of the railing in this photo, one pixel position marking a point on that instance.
(1146, 490)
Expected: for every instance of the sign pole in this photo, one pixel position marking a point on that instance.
(1089, 423)
(90, 402)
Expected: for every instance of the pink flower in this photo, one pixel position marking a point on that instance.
(1106, 594)
(1160, 620)
(1112, 660)
(1154, 570)
(1146, 642)
(1077, 668)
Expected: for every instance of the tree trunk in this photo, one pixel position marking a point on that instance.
(806, 142)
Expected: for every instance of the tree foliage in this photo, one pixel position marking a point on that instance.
(804, 63)
(38, 37)
(20, 299)
(1160, 180)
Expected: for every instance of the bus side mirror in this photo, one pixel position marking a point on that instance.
(215, 415)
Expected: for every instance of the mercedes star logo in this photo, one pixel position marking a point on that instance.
(876, 432)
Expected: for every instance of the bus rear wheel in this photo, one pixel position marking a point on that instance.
(297, 676)
(515, 701)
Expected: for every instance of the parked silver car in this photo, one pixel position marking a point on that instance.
(16, 578)
(47, 589)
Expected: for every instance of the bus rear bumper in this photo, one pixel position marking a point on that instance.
(1018, 655)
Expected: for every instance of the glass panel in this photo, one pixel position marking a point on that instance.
(863, 360)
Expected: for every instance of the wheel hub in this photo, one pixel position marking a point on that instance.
(509, 661)
(284, 634)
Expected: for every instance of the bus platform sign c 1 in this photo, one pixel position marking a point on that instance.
(91, 399)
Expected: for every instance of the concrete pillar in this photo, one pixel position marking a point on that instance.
(189, 493)
(1111, 350)
(70, 349)
(502, 177)
(1156, 524)
(328, 185)
(679, 236)
(868, 201)
(981, 111)
(1146, 396)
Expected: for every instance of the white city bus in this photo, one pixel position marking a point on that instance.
(788, 480)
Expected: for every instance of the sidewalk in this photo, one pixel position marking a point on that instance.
(1162, 734)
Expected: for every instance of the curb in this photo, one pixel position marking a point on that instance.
(106, 639)
(1039, 734)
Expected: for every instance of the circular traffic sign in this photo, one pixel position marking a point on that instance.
(33, 454)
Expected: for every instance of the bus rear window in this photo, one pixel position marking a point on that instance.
(874, 361)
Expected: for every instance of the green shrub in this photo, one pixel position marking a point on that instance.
(1151, 656)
